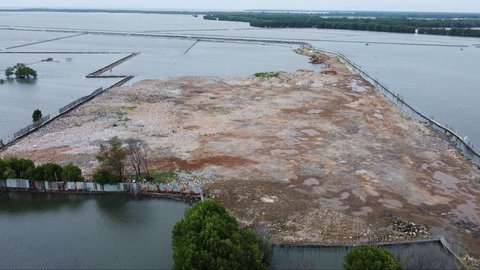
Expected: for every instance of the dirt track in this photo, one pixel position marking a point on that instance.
(307, 157)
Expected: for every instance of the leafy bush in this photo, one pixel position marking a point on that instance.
(9, 174)
(48, 172)
(12, 167)
(3, 167)
(37, 115)
(9, 71)
(103, 176)
(370, 257)
(21, 168)
(72, 173)
(272, 74)
(209, 238)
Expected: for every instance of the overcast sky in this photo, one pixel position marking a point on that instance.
(383, 5)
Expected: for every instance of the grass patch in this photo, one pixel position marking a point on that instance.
(131, 107)
(164, 177)
(271, 74)
(122, 118)
(406, 117)
(220, 110)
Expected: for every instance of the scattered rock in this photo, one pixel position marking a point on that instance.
(318, 59)
(469, 228)
(379, 116)
(329, 71)
(405, 229)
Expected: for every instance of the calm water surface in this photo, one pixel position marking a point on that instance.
(68, 231)
(116, 232)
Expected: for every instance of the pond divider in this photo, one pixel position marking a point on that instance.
(44, 41)
(460, 142)
(189, 48)
(98, 73)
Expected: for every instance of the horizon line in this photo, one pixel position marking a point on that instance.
(217, 10)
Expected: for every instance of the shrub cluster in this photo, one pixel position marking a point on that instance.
(20, 168)
(271, 74)
(115, 155)
(370, 257)
(209, 238)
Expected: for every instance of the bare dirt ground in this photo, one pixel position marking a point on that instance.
(306, 157)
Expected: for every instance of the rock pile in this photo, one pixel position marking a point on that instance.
(403, 228)
(329, 71)
(318, 59)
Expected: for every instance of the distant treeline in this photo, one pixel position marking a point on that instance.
(458, 27)
(433, 23)
(450, 32)
(364, 14)
(378, 14)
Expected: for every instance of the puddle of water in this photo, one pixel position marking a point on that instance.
(310, 132)
(365, 210)
(334, 204)
(468, 211)
(355, 87)
(344, 195)
(446, 182)
(391, 203)
(314, 111)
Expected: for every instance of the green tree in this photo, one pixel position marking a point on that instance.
(23, 71)
(102, 176)
(370, 258)
(9, 71)
(48, 172)
(3, 167)
(22, 168)
(9, 174)
(72, 173)
(209, 238)
(112, 157)
(37, 115)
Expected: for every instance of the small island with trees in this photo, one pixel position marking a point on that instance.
(20, 71)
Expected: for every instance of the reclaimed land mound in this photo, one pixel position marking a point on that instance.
(319, 158)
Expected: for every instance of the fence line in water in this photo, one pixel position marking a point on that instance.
(186, 189)
(47, 119)
(467, 148)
